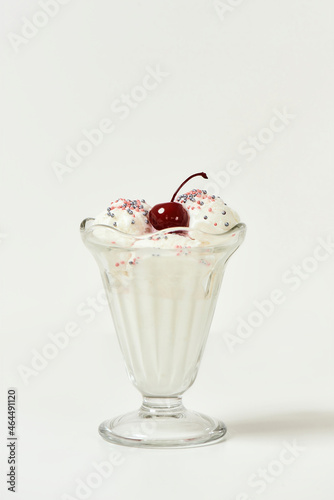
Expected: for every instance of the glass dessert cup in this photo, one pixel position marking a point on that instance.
(162, 302)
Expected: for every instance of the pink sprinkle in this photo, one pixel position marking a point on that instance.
(122, 262)
(215, 224)
(117, 264)
(210, 209)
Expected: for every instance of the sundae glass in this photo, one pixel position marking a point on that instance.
(162, 275)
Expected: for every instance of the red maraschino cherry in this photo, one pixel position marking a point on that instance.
(171, 214)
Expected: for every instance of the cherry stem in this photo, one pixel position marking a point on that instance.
(202, 174)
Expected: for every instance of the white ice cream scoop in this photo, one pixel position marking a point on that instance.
(207, 212)
(128, 216)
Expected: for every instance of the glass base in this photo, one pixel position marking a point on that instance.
(162, 423)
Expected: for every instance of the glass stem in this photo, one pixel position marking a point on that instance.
(162, 405)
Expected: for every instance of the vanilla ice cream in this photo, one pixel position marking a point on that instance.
(207, 212)
(128, 216)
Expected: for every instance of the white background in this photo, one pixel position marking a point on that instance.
(226, 75)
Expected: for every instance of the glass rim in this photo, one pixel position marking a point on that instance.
(216, 239)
